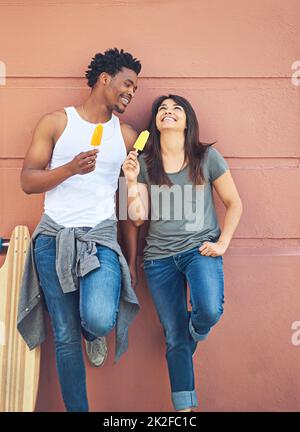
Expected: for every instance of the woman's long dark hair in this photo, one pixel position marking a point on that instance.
(194, 150)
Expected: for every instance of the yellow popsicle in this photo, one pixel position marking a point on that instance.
(141, 140)
(97, 135)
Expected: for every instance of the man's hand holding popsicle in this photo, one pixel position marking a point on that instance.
(131, 166)
(85, 162)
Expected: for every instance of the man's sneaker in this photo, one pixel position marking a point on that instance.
(96, 351)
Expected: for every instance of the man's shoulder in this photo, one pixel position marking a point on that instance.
(129, 135)
(52, 123)
(54, 118)
(128, 129)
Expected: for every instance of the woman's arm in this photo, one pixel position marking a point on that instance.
(226, 189)
(128, 240)
(137, 202)
(138, 199)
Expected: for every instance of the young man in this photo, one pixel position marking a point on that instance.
(74, 255)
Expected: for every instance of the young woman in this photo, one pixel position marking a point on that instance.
(185, 244)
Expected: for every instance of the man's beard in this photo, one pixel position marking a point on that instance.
(118, 109)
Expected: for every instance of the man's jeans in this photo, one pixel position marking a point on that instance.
(92, 310)
(166, 279)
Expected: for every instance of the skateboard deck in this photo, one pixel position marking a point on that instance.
(19, 367)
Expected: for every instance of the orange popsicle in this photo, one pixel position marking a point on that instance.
(141, 140)
(97, 135)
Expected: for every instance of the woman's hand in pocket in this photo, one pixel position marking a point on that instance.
(213, 249)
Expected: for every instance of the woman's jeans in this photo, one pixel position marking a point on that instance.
(92, 310)
(166, 279)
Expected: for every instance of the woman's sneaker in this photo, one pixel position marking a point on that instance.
(96, 351)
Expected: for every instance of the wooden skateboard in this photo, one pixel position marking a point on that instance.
(19, 367)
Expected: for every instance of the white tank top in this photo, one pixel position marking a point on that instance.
(87, 199)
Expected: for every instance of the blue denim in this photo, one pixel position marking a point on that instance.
(91, 311)
(166, 278)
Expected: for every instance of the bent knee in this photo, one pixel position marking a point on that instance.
(101, 324)
(208, 317)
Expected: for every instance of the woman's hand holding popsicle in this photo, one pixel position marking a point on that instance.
(84, 162)
(131, 167)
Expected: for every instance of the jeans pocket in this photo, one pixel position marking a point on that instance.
(43, 242)
(147, 264)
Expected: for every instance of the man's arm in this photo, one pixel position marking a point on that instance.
(129, 232)
(35, 177)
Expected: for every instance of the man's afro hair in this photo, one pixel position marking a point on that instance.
(112, 62)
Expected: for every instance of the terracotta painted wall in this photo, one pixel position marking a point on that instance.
(233, 60)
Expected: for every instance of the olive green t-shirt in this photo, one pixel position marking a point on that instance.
(183, 215)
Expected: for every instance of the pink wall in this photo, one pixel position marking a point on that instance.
(232, 59)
